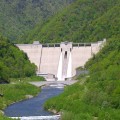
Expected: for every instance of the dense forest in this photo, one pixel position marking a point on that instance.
(19, 16)
(82, 21)
(13, 62)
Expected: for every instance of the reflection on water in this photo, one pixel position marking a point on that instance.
(34, 106)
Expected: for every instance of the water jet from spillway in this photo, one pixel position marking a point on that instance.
(59, 73)
(69, 70)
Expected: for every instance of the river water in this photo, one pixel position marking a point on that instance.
(34, 106)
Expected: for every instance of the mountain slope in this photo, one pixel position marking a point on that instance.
(81, 21)
(19, 16)
(13, 62)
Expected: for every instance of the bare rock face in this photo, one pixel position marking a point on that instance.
(54, 111)
(28, 96)
(1, 112)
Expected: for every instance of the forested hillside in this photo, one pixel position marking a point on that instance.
(13, 62)
(86, 20)
(19, 16)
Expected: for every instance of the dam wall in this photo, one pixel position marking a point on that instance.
(49, 60)
(33, 52)
(60, 59)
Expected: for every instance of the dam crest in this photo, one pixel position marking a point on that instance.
(60, 60)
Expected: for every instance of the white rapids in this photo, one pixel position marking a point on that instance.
(54, 117)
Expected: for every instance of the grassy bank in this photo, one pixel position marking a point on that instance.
(79, 103)
(15, 92)
(27, 79)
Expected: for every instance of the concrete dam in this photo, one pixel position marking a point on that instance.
(60, 59)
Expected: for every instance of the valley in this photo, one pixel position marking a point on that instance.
(95, 95)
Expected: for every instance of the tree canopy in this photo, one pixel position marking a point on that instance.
(19, 16)
(13, 62)
(82, 21)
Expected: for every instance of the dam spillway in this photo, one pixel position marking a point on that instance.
(60, 59)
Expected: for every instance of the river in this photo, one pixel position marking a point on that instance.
(34, 106)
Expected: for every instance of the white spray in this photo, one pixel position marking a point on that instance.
(69, 69)
(59, 73)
